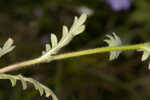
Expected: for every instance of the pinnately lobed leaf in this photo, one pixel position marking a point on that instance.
(113, 40)
(67, 35)
(38, 86)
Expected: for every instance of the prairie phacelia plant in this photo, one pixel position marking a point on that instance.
(115, 47)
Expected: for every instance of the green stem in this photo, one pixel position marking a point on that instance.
(97, 50)
(70, 55)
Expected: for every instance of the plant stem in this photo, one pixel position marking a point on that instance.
(19, 65)
(97, 50)
(70, 55)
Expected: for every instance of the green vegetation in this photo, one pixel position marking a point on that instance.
(87, 77)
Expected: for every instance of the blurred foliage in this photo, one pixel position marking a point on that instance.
(29, 23)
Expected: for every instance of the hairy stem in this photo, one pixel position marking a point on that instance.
(70, 55)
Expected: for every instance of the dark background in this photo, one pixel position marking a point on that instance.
(93, 77)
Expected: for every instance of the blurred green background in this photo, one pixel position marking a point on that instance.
(93, 77)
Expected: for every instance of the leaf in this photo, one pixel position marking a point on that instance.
(38, 86)
(7, 47)
(113, 40)
(79, 30)
(8, 50)
(53, 40)
(24, 84)
(8, 44)
(48, 47)
(67, 35)
(146, 52)
(78, 26)
(82, 19)
(65, 31)
(145, 55)
(13, 81)
(75, 22)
